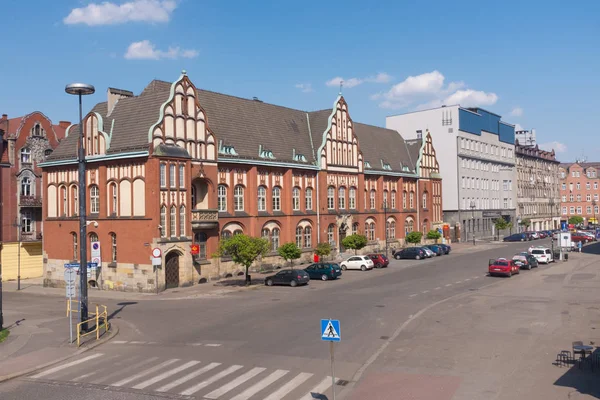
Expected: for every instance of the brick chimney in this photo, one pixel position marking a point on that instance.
(64, 124)
(114, 95)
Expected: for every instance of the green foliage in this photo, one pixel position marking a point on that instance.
(434, 234)
(354, 242)
(243, 249)
(576, 220)
(323, 249)
(525, 222)
(414, 237)
(4, 334)
(501, 224)
(289, 252)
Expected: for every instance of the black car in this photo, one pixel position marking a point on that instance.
(436, 249)
(445, 247)
(415, 253)
(292, 277)
(517, 237)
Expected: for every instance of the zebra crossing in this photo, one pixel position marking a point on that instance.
(189, 378)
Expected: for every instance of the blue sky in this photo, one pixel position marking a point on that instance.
(534, 63)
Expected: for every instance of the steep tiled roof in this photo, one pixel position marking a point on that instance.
(381, 144)
(414, 148)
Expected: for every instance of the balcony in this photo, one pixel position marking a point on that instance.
(30, 201)
(205, 219)
(31, 236)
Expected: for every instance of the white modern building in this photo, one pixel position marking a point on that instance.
(477, 164)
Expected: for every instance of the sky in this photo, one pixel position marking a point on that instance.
(534, 63)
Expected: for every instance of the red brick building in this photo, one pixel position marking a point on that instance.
(28, 141)
(579, 190)
(177, 165)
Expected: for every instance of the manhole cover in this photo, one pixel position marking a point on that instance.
(341, 382)
(384, 337)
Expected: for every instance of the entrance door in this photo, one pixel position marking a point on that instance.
(172, 270)
(342, 235)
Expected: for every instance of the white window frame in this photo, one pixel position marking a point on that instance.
(94, 199)
(352, 198)
(330, 198)
(296, 198)
(222, 198)
(238, 198)
(308, 197)
(262, 198)
(276, 198)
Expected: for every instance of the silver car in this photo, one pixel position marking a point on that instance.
(429, 252)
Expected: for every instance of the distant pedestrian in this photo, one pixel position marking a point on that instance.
(579, 246)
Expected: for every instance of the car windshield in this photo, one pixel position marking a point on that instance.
(537, 252)
(502, 263)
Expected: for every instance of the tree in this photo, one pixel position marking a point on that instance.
(576, 220)
(434, 234)
(323, 249)
(243, 250)
(354, 242)
(525, 222)
(414, 237)
(501, 224)
(290, 252)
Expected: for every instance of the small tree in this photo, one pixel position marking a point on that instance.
(323, 249)
(576, 220)
(354, 242)
(243, 250)
(525, 222)
(501, 224)
(414, 237)
(289, 252)
(434, 234)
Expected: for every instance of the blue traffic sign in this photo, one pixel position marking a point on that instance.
(76, 265)
(330, 330)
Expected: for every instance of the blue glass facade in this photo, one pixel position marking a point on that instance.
(477, 120)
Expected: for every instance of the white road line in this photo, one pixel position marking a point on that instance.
(145, 372)
(65, 366)
(214, 378)
(215, 394)
(165, 375)
(468, 279)
(137, 342)
(196, 344)
(188, 377)
(213, 345)
(458, 282)
(437, 288)
(449, 285)
(319, 389)
(425, 291)
(84, 376)
(252, 390)
(413, 295)
(289, 386)
(119, 372)
(118, 341)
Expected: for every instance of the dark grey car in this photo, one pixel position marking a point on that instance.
(292, 277)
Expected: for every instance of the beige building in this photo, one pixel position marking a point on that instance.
(538, 197)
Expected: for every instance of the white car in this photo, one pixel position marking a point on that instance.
(357, 262)
(542, 254)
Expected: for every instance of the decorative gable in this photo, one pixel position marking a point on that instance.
(96, 140)
(183, 123)
(427, 164)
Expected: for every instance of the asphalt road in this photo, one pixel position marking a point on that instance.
(251, 343)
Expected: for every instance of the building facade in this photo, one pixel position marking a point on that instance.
(538, 184)
(579, 191)
(176, 166)
(477, 165)
(29, 140)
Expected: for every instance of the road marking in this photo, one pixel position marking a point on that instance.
(213, 345)
(83, 376)
(137, 342)
(449, 285)
(319, 389)
(252, 390)
(65, 366)
(165, 375)
(413, 295)
(437, 288)
(119, 342)
(458, 282)
(187, 377)
(119, 372)
(145, 372)
(475, 277)
(212, 379)
(425, 291)
(289, 386)
(468, 279)
(215, 394)
(196, 344)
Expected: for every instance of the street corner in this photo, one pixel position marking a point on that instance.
(401, 385)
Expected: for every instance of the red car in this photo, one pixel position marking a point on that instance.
(502, 266)
(379, 260)
(580, 237)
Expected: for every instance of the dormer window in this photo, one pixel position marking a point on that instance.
(264, 153)
(227, 150)
(37, 130)
(25, 156)
(386, 166)
(300, 158)
(367, 164)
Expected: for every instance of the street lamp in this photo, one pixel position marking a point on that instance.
(594, 210)
(385, 207)
(552, 204)
(472, 205)
(82, 89)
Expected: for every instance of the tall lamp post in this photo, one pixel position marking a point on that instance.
(594, 211)
(472, 205)
(82, 89)
(385, 207)
(552, 204)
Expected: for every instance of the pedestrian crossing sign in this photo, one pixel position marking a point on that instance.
(330, 330)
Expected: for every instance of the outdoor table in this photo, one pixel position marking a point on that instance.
(582, 349)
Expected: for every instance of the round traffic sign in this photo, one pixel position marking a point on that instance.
(156, 253)
(96, 260)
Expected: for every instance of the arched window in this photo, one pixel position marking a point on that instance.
(393, 202)
(275, 239)
(114, 199)
(37, 130)
(172, 184)
(296, 199)
(299, 232)
(355, 228)
(113, 247)
(75, 197)
(372, 198)
(64, 204)
(371, 231)
(265, 233)
(352, 198)
(425, 227)
(182, 220)
(391, 229)
(222, 198)
(94, 199)
(225, 235)
(412, 200)
(194, 197)
(25, 155)
(238, 198)
(308, 195)
(163, 221)
(385, 199)
(173, 222)
(331, 234)
(425, 200)
(25, 186)
(277, 199)
(404, 199)
(75, 249)
(330, 198)
(262, 198)
(342, 198)
(181, 175)
(365, 199)
(308, 237)
(408, 225)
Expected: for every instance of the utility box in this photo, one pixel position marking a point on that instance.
(564, 240)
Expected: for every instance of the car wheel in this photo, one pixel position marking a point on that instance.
(522, 240)
(269, 282)
(363, 268)
(417, 257)
(378, 265)
(324, 277)
(293, 283)
(397, 257)
(510, 274)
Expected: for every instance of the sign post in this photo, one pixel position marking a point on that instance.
(156, 263)
(70, 277)
(330, 332)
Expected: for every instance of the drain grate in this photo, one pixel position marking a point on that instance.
(384, 337)
(342, 382)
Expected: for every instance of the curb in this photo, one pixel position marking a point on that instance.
(111, 334)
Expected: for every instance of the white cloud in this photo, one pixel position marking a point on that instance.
(516, 112)
(429, 90)
(146, 50)
(381, 77)
(108, 13)
(304, 87)
(557, 146)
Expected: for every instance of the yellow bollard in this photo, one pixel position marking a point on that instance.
(97, 322)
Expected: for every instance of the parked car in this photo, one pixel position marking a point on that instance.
(415, 253)
(525, 261)
(379, 260)
(542, 234)
(516, 237)
(428, 252)
(502, 266)
(580, 237)
(292, 277)
(590, 235)
(531, 259)
(542, 254)
(447, 248)
(323, 271)
(437, 249)
(534, 235)
(357, 262)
